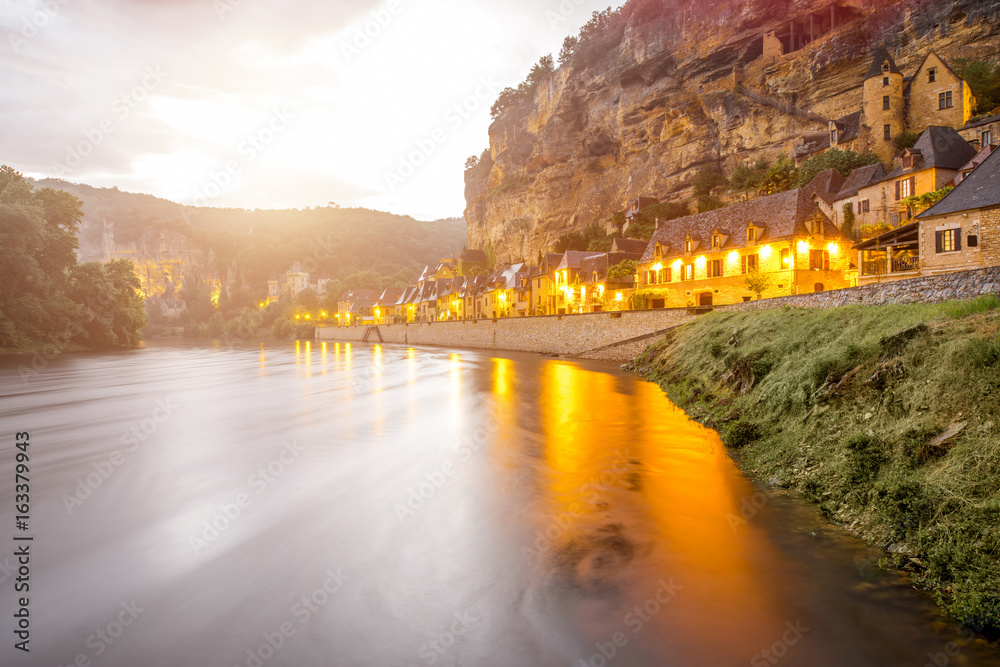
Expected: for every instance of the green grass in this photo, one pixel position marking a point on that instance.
(842, 406)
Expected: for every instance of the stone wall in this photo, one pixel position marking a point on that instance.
(552, 334)
(928, 289)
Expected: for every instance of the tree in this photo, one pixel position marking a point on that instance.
(749, 177)
(113, 313)
(984, 80)
(905, 140)
(707, 203)
(848, 226)
(623, 271)
(568, 48)
(780, 177)
(843, 161)
(708, 178)
(758, 281)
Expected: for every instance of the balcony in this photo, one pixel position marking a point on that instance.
(884, 266)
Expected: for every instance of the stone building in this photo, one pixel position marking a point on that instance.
(893, 104)
(704, 259)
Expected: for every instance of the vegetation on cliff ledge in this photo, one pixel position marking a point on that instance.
(887, 417)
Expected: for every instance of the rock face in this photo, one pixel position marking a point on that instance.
(693, 82)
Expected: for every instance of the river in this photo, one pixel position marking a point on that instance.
(333, 504)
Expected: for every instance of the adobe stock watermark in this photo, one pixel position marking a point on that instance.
(378, 20)
(33, 24)
(779, 649)
(123, 107)
(749, 507)
(104, 638)
(417, 496)
(453, 118)
(635, 620)
(951, 650)
(437, 647)
(562, 12)
(131, 440)
(223, 7)
(254, 144)
(561, 524)
(259, 481)
(303, 611)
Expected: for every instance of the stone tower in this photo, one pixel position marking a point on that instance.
(884, 108)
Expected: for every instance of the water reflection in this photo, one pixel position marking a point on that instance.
(543, 507)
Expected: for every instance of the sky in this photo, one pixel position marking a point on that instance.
(263, 103)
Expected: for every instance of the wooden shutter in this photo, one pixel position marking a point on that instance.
(897, 189)
(743, 263)
(958, 238)
(913, 185)
(938, 241)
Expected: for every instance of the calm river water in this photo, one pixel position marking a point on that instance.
(329, 504)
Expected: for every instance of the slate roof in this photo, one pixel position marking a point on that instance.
(358, 295)
(572, 259)
(940, 148)
(826, 184)
(390, 296)
(860, 178)
(477, 256)
(981, 188)
(602, 262)
(782, 216)
(620, 244)
(848, 126)
(879, 57)
(984, 121)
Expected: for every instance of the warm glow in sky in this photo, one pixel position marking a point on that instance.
(267, 104)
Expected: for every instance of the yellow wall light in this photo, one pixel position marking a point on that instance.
(733, 257)
(765, 251)
(619, 296)
(833, 249)
(297, 317)
(677, 265)
(701, 262)
(657, 266)
(803, 246)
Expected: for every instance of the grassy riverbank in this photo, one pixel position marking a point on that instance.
(887, 417)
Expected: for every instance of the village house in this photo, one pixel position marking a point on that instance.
(929, 166)
(849, 199)
(893, 104)
(598, 289)
(704, 259)
(982, 132)
(356, 307)
(823, 190)
(979, 158)
(543, 291)
(960, 232)
(385, 310)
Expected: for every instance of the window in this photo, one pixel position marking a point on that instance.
(906, 188)
(931, 75)
(748, 263)
(658, 250)
(833, 137)
(944, 100)
(751, 234)
(864, 206)
(786, 258)
(885, 81)
(665, 275)
(716, 240)
(819, 259)
(885, 67)
(885, 102)
(688, 245)
(947, 240)
(688, 272)
(887, 132)
(987, 139)
(715, 268)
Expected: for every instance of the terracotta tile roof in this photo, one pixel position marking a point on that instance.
(782, 216)
(940, 148)
(981, 188)
(826, 184)
(860, 178)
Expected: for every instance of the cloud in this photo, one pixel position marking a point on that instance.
(367, 84)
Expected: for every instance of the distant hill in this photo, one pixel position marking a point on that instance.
(243, 248)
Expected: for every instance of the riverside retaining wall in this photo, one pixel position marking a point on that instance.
(927, 289)
(550, 334)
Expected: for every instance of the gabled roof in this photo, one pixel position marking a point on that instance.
(943, 62)
(358, 295)
(861, 177)
(973, 163)
(390, 296)
(826, 185)
(602, 262)
(939, 148)
(879, 57)
(620, 244)
(572, 259)
(979, 189)
(782, 216)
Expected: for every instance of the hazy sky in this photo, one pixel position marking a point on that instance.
(267, 104)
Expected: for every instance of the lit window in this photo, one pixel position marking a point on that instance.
(819, 259)
(944, 100)
(786, 260)
(688, 245)
(716, 240)
(947, 240)
(905, 188)
(749, 263)
(715, 268)
(688, 272)
(751, 234)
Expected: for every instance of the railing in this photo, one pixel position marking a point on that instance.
(881, 267)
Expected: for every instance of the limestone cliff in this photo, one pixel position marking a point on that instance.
(693, 82)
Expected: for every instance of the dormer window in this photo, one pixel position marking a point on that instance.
(688, 245)
(908, 161)
(885, 66)
(833, 137)
(658, 250)
(931, 75)
(716, 240)
(751, 234)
